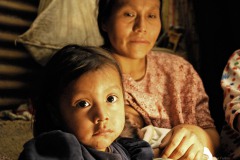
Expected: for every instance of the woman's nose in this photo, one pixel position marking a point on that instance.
(140, 24)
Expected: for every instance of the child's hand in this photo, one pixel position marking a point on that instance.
(181, 143)
(156, 152)
(133, 124)
(131, 130)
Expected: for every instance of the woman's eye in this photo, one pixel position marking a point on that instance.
(127, 14)
(112, 99)
(152, 16)
(82, 104)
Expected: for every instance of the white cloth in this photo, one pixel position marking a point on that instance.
(154, 135)
(61, 22)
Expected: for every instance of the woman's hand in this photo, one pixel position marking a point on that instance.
(182, 142)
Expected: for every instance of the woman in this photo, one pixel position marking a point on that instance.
(165, 89)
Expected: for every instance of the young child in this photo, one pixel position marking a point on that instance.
(79, 110)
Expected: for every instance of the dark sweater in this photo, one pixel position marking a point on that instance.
(56, 145)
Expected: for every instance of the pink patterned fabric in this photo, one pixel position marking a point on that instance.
(170, 93)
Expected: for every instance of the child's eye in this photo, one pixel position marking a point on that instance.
(112, 99)
(82, 104)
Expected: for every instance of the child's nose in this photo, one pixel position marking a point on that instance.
(101, 115)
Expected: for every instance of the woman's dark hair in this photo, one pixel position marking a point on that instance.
(65, 66)
(105, 8)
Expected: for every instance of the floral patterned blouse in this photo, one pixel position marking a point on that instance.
(230, 83)
(170, 93)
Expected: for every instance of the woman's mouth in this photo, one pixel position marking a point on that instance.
(140, 41)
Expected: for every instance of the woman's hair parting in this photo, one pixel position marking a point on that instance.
(66, 65)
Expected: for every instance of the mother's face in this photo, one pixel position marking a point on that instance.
(133, 27)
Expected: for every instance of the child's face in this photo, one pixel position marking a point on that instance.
(133, 27)
(92, 108)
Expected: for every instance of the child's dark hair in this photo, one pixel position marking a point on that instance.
(65, 66)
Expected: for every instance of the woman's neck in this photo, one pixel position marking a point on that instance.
(136, 68)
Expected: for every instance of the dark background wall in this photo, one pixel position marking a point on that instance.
(17, 67)
(219, 34)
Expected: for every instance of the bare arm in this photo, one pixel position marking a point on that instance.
(213, 142)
